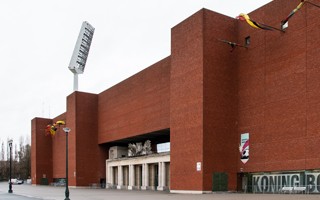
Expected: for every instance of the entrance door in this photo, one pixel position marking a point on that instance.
(115, 176)
(220, 181)
(244, 182)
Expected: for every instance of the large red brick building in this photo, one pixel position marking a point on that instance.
(202, 99)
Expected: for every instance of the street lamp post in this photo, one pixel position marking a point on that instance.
(10, 183)
(67, 130)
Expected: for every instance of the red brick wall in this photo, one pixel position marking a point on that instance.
(279, 89)
(59, 149)
(87, 159)
(186, 104)
(203, 101)
(312, 87)
(41, 152)
(138, 105)
(220, 147)
(207, 96)
(83, 148)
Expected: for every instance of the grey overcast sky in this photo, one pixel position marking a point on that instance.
(37, 38)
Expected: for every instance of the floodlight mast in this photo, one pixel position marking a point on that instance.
(81, 52)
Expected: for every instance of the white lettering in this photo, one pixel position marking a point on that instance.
(275, 182)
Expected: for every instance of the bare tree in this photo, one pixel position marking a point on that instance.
(2, 151)
(2, 163)
(21, 159)
(24, 157)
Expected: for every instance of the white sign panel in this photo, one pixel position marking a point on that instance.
(198, 166)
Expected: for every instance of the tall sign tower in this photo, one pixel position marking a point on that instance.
(81, 52)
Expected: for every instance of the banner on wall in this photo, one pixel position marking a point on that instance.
(275, 182)
(244, 147)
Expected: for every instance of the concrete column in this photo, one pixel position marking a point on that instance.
(131, 177)
(145, 176)
(162, 176)
(110, 181)
(120, 177)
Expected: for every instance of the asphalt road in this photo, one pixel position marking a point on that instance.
(29, 192)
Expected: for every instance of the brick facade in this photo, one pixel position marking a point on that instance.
(206, 96)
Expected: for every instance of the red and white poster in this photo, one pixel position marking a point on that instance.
(244, 147)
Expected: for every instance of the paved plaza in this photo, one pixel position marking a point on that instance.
(29, 192)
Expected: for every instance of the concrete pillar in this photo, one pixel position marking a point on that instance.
(161, 176)
(131, 177)
(110, 181)
(120, 177)
(145, 176)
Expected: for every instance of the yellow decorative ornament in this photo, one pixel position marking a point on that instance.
(61, 122)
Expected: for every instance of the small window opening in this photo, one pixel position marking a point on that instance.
(247, 41)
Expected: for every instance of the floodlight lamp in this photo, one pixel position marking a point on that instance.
(81, 49)
(10, 143)
(66, 129)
